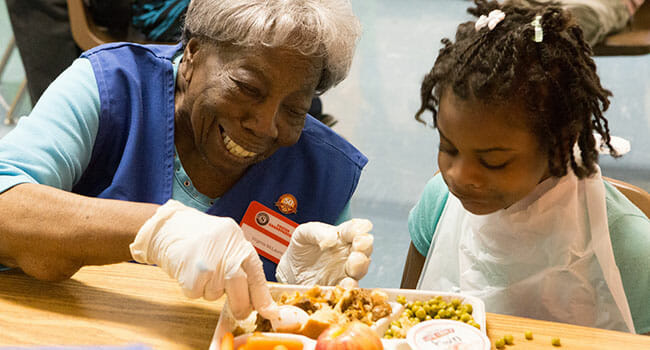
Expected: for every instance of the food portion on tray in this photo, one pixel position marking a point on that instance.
(419, 310)
(390, 313)
(332, 306)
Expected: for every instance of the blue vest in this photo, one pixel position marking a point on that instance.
(133, 155)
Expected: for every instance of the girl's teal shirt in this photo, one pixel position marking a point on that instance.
(629, 231)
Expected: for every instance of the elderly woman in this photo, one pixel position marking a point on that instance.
(132, 145)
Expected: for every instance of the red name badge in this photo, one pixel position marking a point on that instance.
(269, 231)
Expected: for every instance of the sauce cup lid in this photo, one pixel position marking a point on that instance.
(446, 334)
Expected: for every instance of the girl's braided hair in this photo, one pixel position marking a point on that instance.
(556, 79)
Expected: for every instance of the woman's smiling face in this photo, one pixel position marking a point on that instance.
(241, 104)
(488, 156)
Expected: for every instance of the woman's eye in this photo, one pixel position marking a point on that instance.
(295, 112)
(247, 89)
(299, 113)
(296, 118)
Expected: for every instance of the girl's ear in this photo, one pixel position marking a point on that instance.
(190, 59)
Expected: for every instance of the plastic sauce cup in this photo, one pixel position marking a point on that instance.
(447, 335)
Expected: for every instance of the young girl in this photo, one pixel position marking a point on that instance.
(519, 214)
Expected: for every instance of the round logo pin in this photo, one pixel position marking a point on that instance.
(262, 218)
(287, 204)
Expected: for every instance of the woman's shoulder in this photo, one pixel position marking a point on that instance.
(317, 135)
(165, 51)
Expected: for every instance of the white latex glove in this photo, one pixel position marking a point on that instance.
(327, 255)
(206, 254)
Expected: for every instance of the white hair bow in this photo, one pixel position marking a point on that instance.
(491, 20)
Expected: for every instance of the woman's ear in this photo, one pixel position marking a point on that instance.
(190, 59)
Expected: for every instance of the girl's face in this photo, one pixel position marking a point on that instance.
(488, 156)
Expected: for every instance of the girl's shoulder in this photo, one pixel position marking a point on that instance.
(425, 215)
(436, 190)
(624, 218)
(629, 231)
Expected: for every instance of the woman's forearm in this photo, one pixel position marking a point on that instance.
(50, 233)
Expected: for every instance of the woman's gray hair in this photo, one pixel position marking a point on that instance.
(326, 28)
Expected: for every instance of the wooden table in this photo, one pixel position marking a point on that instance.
(137, 304)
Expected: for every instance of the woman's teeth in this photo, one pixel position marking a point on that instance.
(236, 149)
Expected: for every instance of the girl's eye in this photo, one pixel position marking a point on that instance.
(449, 150)
(493, 167)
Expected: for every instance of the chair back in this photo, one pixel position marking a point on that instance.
(634, 39)
(84, 30)
(87, 34)
(636, 195)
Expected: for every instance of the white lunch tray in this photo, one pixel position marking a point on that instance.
(227, 323)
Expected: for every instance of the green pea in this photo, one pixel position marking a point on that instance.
(427, 318)
(465, 318)
(455, 302)
(509, 339)
(473, 323)
(436, 317)
(555, 342)
(418, 303)
(500, 343)
(469, 308)
(528, 335)
(421, 310)
(421, 314)
(388, 336)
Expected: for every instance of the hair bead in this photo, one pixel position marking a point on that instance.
(539, 33)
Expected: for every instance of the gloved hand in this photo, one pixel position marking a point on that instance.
(206, 254)
(327, 255)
